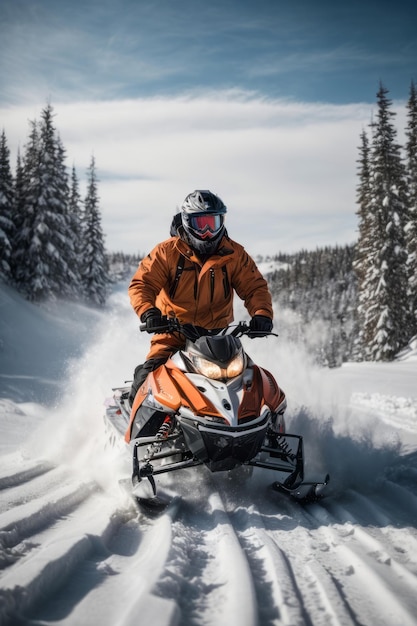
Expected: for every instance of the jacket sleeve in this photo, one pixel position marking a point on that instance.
(251, 286)
(151, 276)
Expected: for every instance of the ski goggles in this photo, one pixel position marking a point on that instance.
(206, 223)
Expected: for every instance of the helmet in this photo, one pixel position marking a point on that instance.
(203, 220)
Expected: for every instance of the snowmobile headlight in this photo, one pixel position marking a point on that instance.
(207, 368)
(212, 370)
(236, 366)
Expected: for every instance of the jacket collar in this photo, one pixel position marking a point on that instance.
(185, 249)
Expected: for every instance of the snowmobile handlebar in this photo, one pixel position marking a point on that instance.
(172, 325)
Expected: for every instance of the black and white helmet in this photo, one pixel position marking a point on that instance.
(203, 216)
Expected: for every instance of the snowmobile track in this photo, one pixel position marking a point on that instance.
(30, 472)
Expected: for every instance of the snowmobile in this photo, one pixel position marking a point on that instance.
(211, 405)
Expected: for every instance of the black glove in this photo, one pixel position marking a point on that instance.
(153, 320)
(259, 326)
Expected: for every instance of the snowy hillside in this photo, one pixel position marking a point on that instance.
(73, 551)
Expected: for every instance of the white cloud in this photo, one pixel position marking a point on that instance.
(286, 170)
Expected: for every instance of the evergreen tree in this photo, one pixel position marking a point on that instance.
(364, 252)
(94, 270)
(70, 271)
(27, 194)
(18, 217)
(44, 248)
(386, 281)
(6, 209)
(76, 217)
(411, 226)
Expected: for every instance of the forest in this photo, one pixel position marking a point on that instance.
(52, 242)
(315, 293)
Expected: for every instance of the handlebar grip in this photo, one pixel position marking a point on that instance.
(165, 327)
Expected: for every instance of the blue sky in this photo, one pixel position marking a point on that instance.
(262, 101)
(309, 50)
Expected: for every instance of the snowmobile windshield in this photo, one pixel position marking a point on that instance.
(218, 348)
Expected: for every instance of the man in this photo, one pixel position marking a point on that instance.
(192, 276)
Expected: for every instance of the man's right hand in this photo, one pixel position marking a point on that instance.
(153, 320)
(260, 326)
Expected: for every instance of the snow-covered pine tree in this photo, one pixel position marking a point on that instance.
(42, 270)
(18, 214)
(44, 257)
(386, 283)
(94, 271)
(70, 270)
(411, 226)
(76, 217)
(6, 209)
(364, 252)
(53, 217)
(26, 197)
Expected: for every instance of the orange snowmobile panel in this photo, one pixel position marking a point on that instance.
(163, 390)
(263, 390)
(252, 399)
(171, 394)
(273, 395)
(193, 397)
(139, 398)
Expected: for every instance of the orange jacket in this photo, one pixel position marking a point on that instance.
(199, 293)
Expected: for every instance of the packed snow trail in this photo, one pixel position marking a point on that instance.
(223, 554)
(229, 550)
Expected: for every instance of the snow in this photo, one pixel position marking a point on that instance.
(75, 552)
(269, 267)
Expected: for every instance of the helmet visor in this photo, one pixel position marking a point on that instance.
(206, 225)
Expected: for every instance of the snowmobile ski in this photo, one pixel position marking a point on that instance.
(155, 506)
(146, 501)
(304, 492)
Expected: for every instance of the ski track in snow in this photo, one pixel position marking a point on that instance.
(75, 551)
(72, 553)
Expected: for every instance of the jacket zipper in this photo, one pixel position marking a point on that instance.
(226, 284)
(197, 272)
(211, 284)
